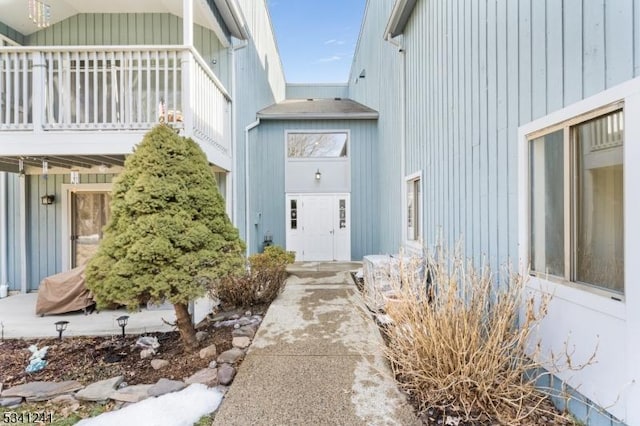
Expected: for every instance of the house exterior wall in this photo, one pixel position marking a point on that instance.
(267, 181)
(43, 226)
(259, 83)
(317, 91)
(116, 29)
(381, 90)
(9, 32)
(474, 73)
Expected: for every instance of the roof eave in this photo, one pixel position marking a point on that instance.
(336, 116)
(400, 15)
(233, 18)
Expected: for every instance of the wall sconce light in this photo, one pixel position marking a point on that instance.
(60, 327)
(122, 322)
(363, 73)
(318, 174)
(46, 200)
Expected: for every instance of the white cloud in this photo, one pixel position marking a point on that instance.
(330, 59)
(334, 41)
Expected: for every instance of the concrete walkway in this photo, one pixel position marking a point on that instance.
(18, 319)
(316, 360)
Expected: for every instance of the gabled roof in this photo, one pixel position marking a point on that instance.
(318, 109)
(400, 15)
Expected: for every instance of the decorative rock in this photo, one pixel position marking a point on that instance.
(133, 393)
(206, 376)
(164, 386)
(241, 342)
(42, 391)
(11, 401)
(226, 373)
(231, 356)
(147, 353)
(208, 352)
(64, 400)
(248, 313)
(157, 364)
(201, 335)
(244, 321)
(236, 326)
(213, 364)
(234, 317)
(246, 331)
(99, 391)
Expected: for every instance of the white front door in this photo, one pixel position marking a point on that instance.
(318, 227)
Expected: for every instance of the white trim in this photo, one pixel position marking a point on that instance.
(614, 375)
(22, 195)
(413, 246)
(4, 228)
(65, 228)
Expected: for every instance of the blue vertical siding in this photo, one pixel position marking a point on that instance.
(13, 232)
(475, 71)
(259, 83)
(317, 91)
(44, 223)
(381, 90)
(267, 197)
(11, 33)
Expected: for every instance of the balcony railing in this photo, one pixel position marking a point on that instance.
(112, 88)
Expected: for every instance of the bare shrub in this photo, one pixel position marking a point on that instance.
(455, 344)
(261, 284)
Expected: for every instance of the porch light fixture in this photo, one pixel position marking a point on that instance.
(318, 174)
(40, 13)
(122, 322)
(60, 327)
(47, 200)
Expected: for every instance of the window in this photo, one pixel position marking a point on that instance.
(317, 145)
(577, 202)
(413, 209)
(294, 214)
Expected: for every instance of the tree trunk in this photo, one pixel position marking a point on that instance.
(185, 326)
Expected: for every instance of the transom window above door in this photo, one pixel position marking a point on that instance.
(317, 145)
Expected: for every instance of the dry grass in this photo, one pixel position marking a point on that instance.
(455, 344)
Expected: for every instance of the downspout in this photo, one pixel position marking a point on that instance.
(4, 273)
(246, 182)
(234, 128)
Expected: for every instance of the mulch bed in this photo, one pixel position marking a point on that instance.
(89, 359)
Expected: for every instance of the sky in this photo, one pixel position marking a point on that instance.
(316, 38)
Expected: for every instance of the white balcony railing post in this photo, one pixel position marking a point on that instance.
(39, 93)
(188, 89)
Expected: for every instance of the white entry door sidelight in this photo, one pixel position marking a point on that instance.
(318, 226)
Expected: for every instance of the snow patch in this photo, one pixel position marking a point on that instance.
(182, 408)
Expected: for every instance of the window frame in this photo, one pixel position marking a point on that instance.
(346, 132)
(569, 126)
(413, 244)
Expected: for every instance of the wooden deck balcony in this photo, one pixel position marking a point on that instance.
(111, 89)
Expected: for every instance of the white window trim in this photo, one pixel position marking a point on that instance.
(629, 93)
(67, 189)
(413, 246)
